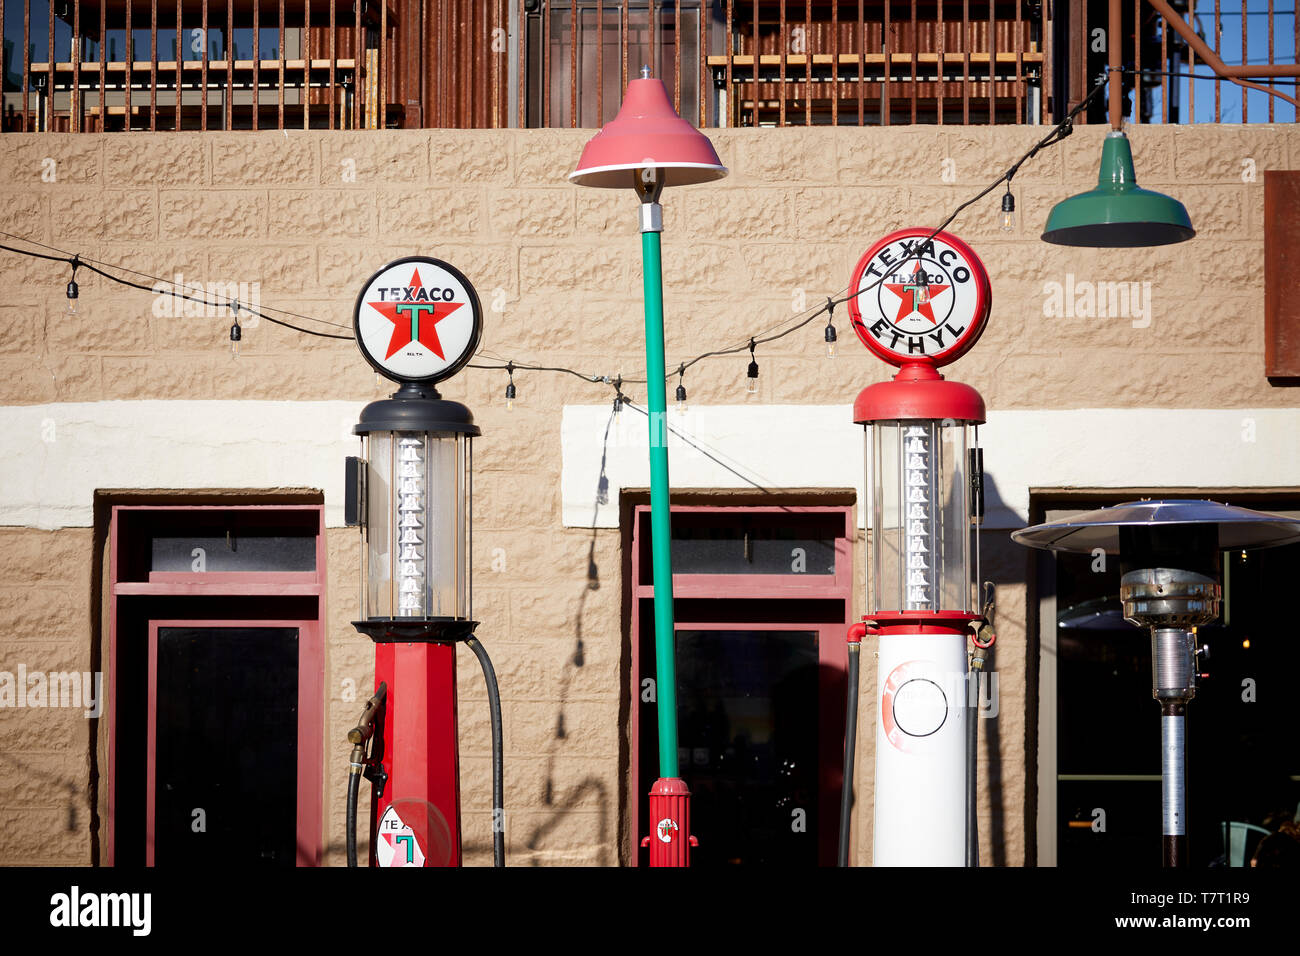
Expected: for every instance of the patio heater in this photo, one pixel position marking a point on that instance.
(645, 148)
(417, 322)
(919, 302)
(1169, 583)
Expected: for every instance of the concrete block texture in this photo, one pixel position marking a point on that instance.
(306, 217)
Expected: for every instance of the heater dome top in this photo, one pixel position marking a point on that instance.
(1235, 527)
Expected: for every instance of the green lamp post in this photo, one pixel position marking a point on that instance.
(647, 147)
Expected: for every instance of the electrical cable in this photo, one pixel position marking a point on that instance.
(850, 749)
(66, 256)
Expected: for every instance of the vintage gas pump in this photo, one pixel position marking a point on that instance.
(1169, 564)
(417, 322)
(919, 302)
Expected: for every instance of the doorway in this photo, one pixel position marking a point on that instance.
(215, 685)
(762, 600)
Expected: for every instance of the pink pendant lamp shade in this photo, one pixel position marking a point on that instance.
(647, 133)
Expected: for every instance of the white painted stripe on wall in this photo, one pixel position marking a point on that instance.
(57, 455)
(818, 446)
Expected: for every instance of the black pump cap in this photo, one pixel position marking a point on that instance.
(416, 408)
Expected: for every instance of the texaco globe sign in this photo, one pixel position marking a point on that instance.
(918, 300)
(418, 320)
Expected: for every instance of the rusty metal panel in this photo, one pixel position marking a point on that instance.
(1282, 274)
(333, 60)
(75, 51)
(49, 74)
(280, 100)
(203, 81)
(306, 67)
(27, 64)
(861, 43)
(573, 64)
(754, 53)
(358, 58)
(180, 58)
(153, 65)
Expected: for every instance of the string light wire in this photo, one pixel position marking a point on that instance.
(772, 334)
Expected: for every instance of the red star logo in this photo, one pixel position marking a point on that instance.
(415, 320)
(916, 295)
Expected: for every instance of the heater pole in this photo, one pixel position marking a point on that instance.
(1173, 777)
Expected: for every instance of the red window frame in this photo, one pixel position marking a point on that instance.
(831, 645)
(311, 661)
(311, 719)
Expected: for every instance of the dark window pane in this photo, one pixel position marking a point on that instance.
(245, 552)
(748, 743)
(227, 745)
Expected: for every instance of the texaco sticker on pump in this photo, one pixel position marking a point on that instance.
(918, 299)
(418, 320)
(397, 845)
(913, 706)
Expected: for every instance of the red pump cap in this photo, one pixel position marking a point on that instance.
(918, 392)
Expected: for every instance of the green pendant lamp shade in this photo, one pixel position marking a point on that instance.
(1118, 214)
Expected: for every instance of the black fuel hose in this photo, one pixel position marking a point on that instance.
(850, 746)
(498, 786)
(972, 754)
(354, 787)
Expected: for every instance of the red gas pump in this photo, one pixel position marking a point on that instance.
(417, 322)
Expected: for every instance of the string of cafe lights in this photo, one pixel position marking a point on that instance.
(164, 286)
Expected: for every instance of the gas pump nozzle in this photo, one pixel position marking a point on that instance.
(365, 727)
(359, 736)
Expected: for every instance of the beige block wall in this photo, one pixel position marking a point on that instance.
(557, 268)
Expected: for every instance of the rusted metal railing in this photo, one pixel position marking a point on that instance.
(797, 62)
(1171, 54)
(490, 63)
(105, 65)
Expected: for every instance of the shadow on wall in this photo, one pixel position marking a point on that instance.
(573, 797)
(1006, 565)
(52, 782)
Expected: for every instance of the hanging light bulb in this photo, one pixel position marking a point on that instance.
(751, 374)
(681, 390)
(236, 333)
(1008, 211)
(618, 398)
(72, 288)
(830, 327)
(510, 388)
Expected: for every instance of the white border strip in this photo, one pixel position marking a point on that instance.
(818, 446)
(56, 456)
